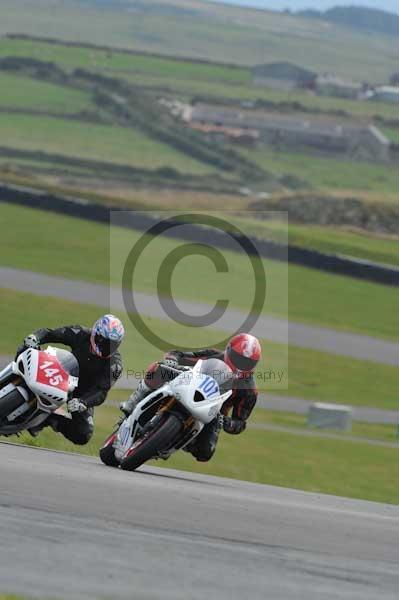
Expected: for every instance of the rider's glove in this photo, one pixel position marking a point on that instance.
(170, 361)
(76, 406)
(233, 426)
(31, 341)
(125, 407)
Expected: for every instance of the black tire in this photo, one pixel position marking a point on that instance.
(107, 454)
(158, 439)
(10, 402)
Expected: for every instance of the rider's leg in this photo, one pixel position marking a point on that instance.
(77, 429)
(141, 392)
(204, 445)
(155, 376)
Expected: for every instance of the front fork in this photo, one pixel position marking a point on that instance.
(7, 374)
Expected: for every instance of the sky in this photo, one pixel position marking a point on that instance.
(389, 5)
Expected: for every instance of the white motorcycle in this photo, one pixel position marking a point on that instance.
(171, 417)
(35, 385)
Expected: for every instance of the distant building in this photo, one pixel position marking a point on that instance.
(218, 133)
(394, 80)
(386, 94)
(329, 85)
(326, 135)
(282, 76)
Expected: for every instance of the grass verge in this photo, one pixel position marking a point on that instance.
(372, 431)
(331, 240)
(312, 375)
(80, 249)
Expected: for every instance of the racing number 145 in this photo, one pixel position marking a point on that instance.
(53, 375)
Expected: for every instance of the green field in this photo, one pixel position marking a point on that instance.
(126, 145)
(370, 431)
(215, 32)
(80, 249)
(188, 87)
(129, 146)
(328, 239)
(185, 77)
(306, 373)
(99, 142)
(325, 239)
(24, 93)
(392, 134)
(328, 173)
(123, 63)
(314, 464)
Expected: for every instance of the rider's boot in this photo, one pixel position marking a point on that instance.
(51, 421)
(214, 430)
(204, 445)
(141, 392)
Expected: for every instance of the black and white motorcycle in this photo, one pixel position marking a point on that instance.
(171, 417)
(35, 385)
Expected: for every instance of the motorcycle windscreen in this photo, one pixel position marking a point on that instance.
(68, 362)
(220, 372)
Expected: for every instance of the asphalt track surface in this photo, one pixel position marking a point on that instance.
(276, 330)
(72, 528)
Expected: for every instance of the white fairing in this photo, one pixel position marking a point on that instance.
(198, 393)
(47, 384)
(49, 395)
(191, 385)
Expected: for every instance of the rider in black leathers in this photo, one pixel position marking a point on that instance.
(100, 365)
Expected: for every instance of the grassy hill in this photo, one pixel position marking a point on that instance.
(83, 119)
(95, 124)
(359, 17)
(95, 141)
(191, 28)
(185, 77)
(42, 95)
(20, 93)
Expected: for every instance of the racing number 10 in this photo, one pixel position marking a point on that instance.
(209, 387)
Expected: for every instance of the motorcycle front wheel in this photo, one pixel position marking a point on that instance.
(107, 453)
(158, 439)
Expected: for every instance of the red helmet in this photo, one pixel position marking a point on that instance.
(243, 353)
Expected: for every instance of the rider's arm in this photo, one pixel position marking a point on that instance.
(190, 358)
(69, 335)
(243, 406)
(98, 393)
(94, 397)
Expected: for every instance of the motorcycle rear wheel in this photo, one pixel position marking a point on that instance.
(158, 439)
